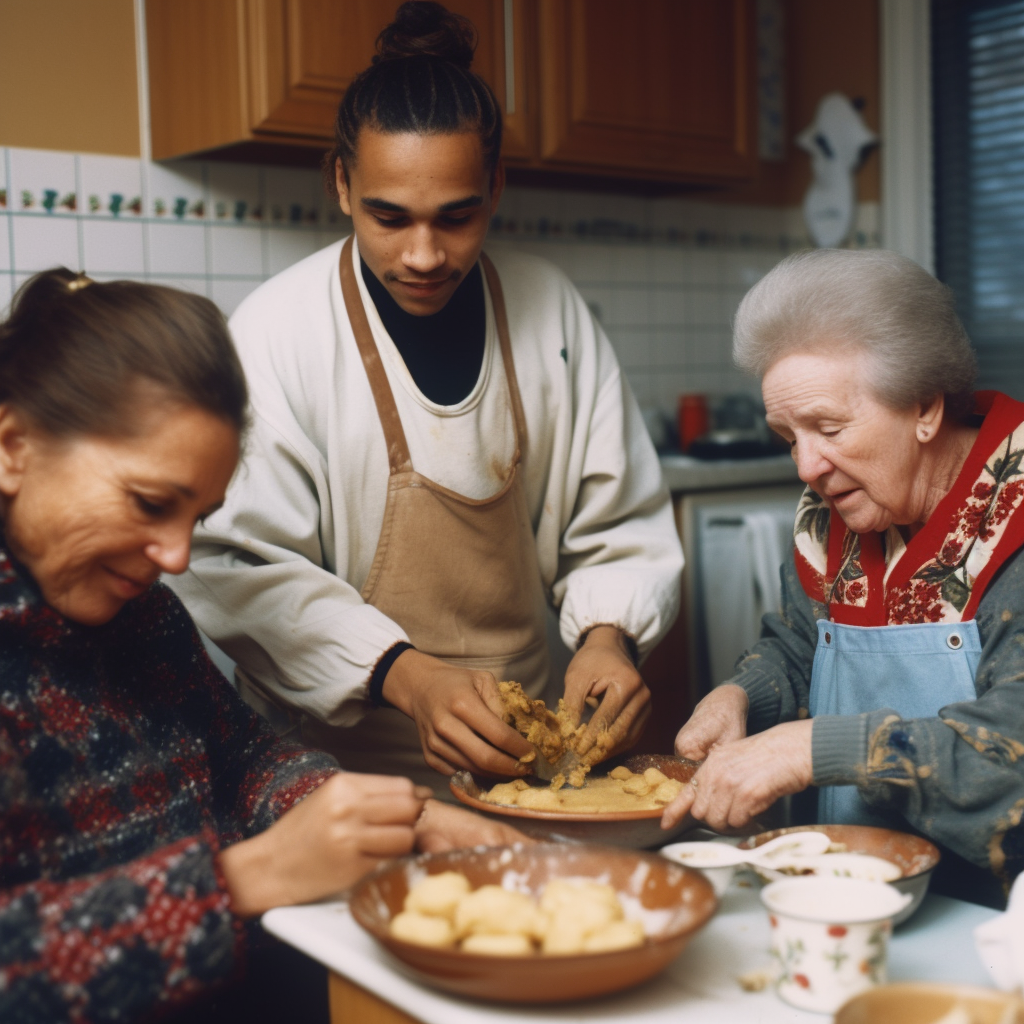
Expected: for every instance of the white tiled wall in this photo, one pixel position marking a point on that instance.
(664, 276)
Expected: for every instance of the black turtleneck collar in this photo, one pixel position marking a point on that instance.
(445, 350)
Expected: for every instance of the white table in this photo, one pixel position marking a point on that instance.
(936, 944)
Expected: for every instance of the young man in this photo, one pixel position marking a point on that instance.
(441, 448)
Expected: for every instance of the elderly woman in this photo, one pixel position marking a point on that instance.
(145, 812)
(893, 680)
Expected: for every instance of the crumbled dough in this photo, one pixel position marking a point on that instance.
(756, 981)
(422, 929)
(438, 894)
(620, 790)
(571, 917)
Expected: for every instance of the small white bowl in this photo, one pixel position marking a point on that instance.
(830, 937)
(702, 856)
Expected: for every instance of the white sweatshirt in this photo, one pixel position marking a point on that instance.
(276, 574)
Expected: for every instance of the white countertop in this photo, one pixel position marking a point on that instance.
(936, 944)
(683, 473)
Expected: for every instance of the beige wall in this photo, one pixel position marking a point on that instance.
(67, 75)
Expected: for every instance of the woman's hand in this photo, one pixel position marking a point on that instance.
(458, 714)
(721, 717)
(325, 843)
(602, 666)
(443, 827)
(741, 779)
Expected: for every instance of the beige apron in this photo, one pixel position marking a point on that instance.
(459, 575)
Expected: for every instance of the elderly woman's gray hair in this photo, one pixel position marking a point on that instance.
(825, 299)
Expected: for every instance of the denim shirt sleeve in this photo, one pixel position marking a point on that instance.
(776, 671)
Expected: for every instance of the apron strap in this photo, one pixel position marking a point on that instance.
(399, 458)
(501, 322)
(394, 433)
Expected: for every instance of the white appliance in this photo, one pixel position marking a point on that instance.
(735, 542)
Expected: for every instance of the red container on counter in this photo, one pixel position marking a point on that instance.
(693, 419)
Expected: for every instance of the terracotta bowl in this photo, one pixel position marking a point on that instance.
(925, 1003)
(636, 830)
(678, 900)
(914, 855)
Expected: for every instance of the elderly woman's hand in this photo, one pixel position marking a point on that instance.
(443, 827)
(721, 717)
(739, 780)
(325, 843)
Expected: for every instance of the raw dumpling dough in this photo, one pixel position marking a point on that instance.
(422, 929)
(497, 911)
(575, 911)
(438, 894)
(497, 945)
(618, 935)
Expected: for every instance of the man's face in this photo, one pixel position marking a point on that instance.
(420, 206)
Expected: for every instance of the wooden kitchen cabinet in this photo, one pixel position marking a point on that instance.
(656, 89)
(230, 73)
(660, 88)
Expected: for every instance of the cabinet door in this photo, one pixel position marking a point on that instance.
(652, 86)
(304, 53)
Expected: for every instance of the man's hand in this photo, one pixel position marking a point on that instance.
(741, 779)
(325, 843)
(603, 668)
(443, 827)
(721, 717)
(458, 714)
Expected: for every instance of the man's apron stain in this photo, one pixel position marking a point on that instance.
(996, 747)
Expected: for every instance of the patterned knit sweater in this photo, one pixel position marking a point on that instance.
(126, 763)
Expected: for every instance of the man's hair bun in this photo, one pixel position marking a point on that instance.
(425, 29)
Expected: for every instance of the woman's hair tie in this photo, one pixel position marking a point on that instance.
(78, 283)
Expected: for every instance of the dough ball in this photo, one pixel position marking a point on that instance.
(421, 929)
(498, 945)
(506, 793)
(563, 936)
(437, 894)
(654, 778)
(637, 786)
(563, 892)
(619, 935)
(496, 911)
(667, 791)
(622, 773)
(535, 799)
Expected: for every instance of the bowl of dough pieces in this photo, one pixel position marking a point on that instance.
(616, 802)
(536, 923)
(914, 856)
(620, 805)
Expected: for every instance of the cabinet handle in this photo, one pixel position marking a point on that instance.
(510, 59)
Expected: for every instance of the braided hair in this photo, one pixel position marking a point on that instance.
(419, 81)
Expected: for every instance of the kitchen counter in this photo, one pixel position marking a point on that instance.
(683, 473)
(936, 945)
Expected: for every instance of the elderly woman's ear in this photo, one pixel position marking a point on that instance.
(929, 419)
(14, 450)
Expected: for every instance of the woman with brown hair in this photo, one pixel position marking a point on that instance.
(146, 814)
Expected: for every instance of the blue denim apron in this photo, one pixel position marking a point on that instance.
(914, 669)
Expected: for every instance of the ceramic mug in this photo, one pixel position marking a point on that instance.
(830, 937)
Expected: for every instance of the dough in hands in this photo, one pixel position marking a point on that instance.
(422, 929)
(438, 894)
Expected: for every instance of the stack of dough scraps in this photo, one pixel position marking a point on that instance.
(573, 916)
(620, 790)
